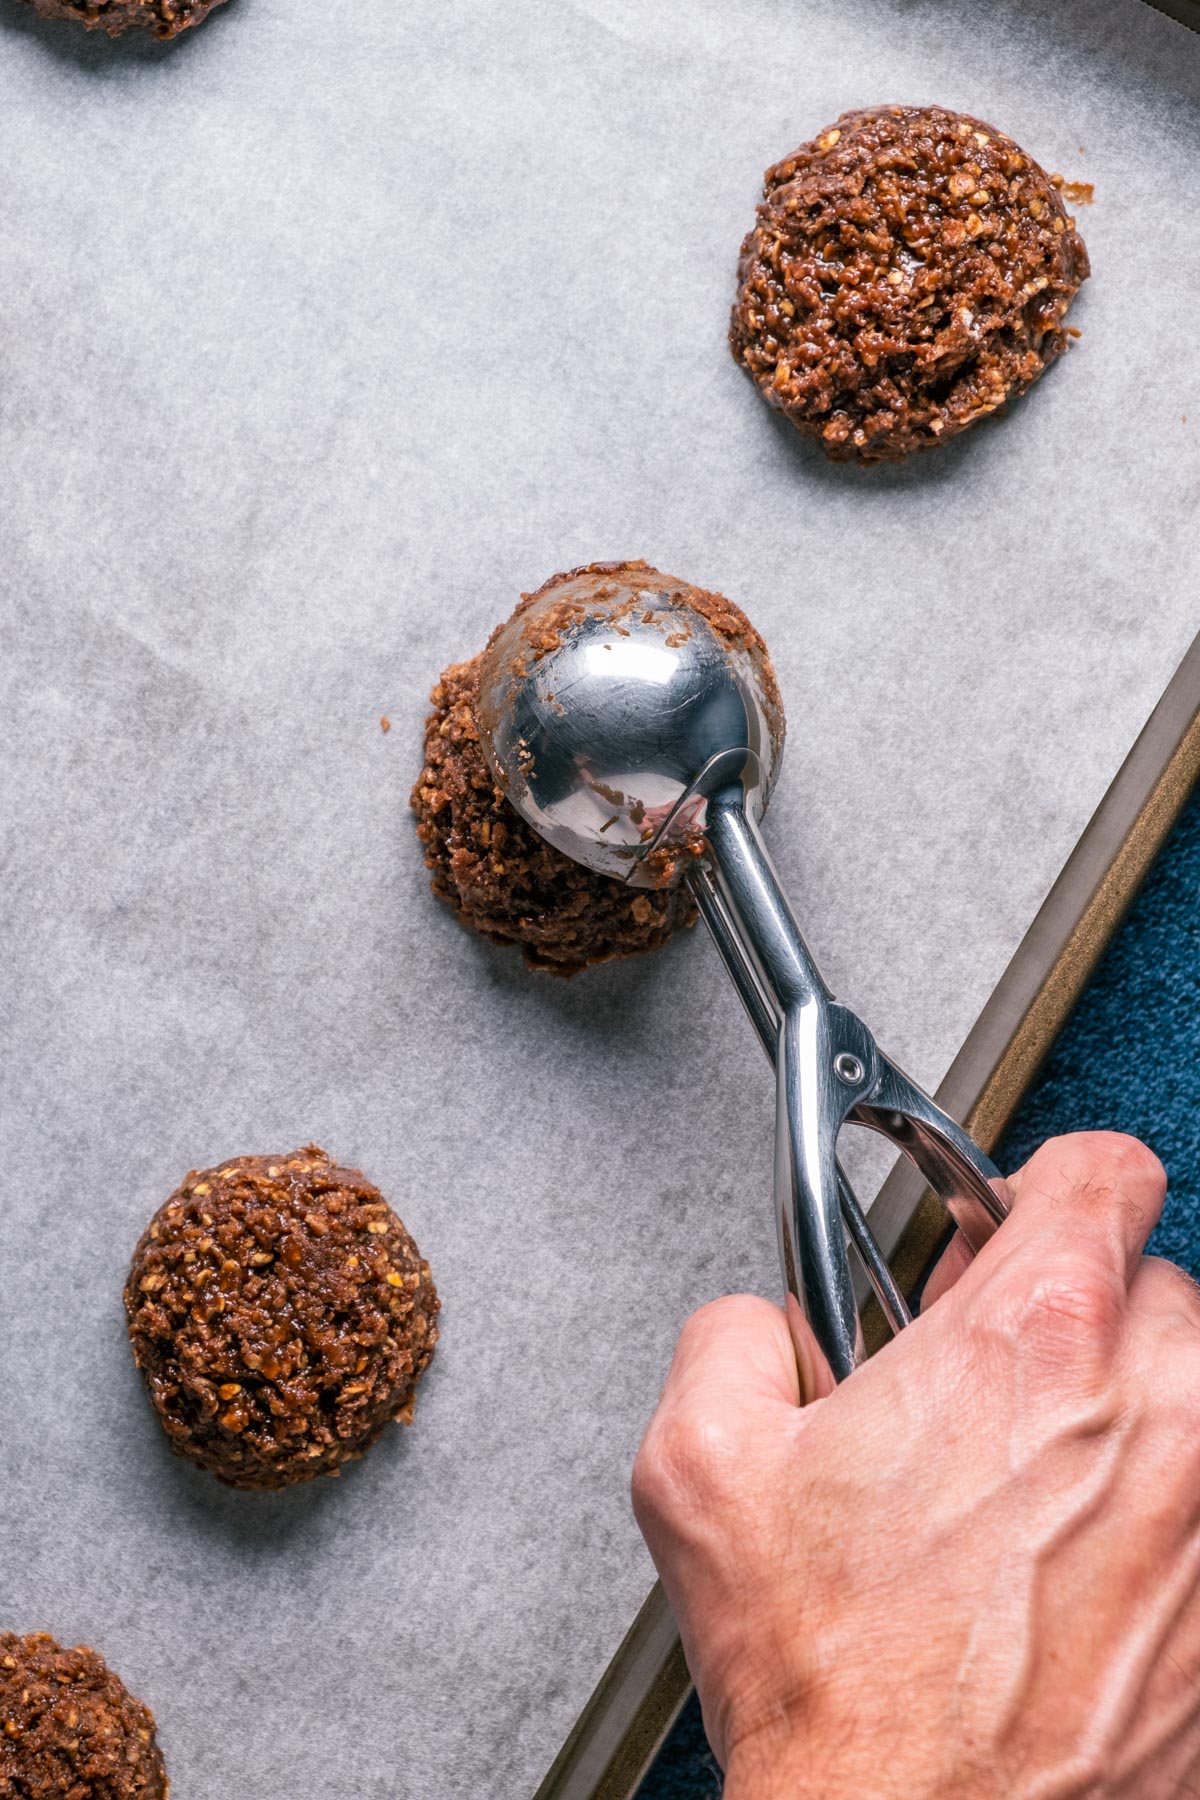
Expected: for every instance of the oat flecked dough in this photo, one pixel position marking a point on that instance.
(161, 18)
(70, 1728)
(908, 275)
(280, 1315)
(490, 867)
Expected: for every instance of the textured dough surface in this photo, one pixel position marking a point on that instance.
(497, 874)
(280, 1315)
(70, 1729)
(908, 275)
(161, 18)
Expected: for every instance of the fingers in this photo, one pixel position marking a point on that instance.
(1097, 1192)
(958, 1255)
(734, 1352)
(954, 1261)
(734, 1369)
(1161, 1291)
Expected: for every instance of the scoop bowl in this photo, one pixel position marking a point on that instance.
(610, 709)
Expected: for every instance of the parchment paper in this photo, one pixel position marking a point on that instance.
(325, 332)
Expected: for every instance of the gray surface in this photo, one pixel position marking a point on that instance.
(325, 333)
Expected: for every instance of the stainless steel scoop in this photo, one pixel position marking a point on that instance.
(643, 742)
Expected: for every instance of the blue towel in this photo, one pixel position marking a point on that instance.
(1128, 1060)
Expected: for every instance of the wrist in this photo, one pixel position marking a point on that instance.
(776, 1765)
(796, 1764)
(795, 1761)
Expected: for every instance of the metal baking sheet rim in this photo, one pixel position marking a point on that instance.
(642, 1692)
(1186, 12)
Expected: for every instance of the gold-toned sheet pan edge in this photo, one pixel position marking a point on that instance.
(1058, 954)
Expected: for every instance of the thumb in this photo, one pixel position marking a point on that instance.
(735, 1353)
(734, 1380)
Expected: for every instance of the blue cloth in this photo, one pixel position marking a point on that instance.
(1128, 1060)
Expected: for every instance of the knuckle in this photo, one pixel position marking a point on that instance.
(695, 1444)
(646, 1482)
(1078, 1296)
(683, 1463)
(1185, 1291)
(1078, 1299)
(1166, 1280)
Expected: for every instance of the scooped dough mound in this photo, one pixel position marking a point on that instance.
(498, 875)
(69, 1729)
(161, 18)
(908, 275)
(280, 1315)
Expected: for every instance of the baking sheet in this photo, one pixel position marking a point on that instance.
(322, 339)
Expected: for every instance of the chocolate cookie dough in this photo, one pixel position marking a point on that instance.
(69, 1729)
(162, 18)
(280, 1315)
(499, 876)
(908, 274)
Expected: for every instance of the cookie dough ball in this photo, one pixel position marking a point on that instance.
(280, 1315)
(499, 876)
(908, 274)
(69, 1729)
(162, 18)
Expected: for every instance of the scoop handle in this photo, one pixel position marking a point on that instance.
(764, 1016)
(763, 936)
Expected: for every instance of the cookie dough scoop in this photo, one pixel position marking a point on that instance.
(637, 738)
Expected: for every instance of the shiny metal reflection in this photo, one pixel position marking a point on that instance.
(643, 745)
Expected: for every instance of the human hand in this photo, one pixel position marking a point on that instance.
(974, 1569)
